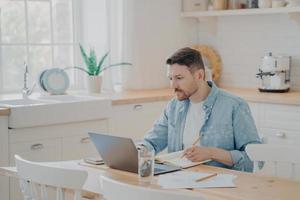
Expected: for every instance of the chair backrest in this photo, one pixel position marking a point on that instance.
(115, 190)
(36, 177)
(283, 161)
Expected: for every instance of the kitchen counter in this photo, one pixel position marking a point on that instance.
(142, 96)
(253, 95)
(164, 94)
(4, 111)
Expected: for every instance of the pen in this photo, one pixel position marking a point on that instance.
(194, 143)
(206, 177)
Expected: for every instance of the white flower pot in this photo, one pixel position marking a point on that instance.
(93, 84)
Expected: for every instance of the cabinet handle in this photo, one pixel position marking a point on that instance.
(85, 140)
(36, 146)
(281, 135)
(137, 107)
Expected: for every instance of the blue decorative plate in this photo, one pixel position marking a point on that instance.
(55, 81)
(40, 81)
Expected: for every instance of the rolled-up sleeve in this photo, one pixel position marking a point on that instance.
(245, 133)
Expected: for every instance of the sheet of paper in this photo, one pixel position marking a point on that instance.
(180, 161)
(186, 179)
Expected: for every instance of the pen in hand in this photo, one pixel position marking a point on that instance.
(196, 141)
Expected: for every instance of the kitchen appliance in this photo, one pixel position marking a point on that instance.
(275, 72)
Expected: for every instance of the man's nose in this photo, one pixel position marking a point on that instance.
(173, 84)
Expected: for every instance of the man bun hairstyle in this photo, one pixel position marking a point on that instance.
(188, 57)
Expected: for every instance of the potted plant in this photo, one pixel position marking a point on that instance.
(94, 68)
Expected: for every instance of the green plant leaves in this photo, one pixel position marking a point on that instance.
(115, 65)
(94, 69)
(101, 62)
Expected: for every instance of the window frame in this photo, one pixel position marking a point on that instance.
(51, 44)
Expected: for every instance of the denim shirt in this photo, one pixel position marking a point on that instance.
(228, 125)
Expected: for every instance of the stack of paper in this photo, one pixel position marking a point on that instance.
(186, 179)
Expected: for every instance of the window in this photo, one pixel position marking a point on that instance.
(38, 32)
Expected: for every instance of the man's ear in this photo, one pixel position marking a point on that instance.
(200, 74)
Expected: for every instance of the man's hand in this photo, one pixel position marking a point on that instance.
(197, 154)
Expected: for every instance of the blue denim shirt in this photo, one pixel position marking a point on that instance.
(228, 125)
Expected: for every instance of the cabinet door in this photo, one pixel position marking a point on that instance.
(78, 144)
(4, 157)
(78, 147)
(134, 120)
(281, 116)
(280, 136)
(39, 150)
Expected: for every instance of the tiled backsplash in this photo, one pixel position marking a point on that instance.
(243, 40)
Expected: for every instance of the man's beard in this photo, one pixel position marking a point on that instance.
(184, 95)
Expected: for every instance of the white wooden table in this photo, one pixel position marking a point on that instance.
(249, 186)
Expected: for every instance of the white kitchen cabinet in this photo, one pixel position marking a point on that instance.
(52, 143)
(78, 147)
(134, 120)
(278, 124)
(4, 181)
(282, 116)
(280, 136)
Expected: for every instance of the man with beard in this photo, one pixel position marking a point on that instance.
(222, 121)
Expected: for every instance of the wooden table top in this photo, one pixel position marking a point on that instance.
(249, 186)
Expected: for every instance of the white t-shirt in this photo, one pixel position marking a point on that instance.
(194, 121)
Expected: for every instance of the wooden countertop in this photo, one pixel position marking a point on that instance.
(164, 94)
(248, 186)
(4, 111)
(253, 95)
(142, 96)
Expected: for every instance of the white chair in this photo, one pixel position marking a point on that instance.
(115, 190)
(36, 177)
(282, 161)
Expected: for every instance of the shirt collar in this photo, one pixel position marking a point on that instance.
(208, 102)
(212, 96)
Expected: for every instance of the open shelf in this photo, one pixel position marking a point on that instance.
(210, 18)
(255, 11)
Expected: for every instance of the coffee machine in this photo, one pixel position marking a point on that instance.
(275, 72)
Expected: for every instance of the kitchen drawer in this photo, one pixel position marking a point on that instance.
(38, 150)
(78, 147)
(134, 120)
(280, 136)
(56, 131)
(281, 117)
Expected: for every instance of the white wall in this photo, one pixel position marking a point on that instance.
(243, 40)
(154, 30)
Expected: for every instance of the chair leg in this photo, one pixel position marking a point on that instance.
(59, 194)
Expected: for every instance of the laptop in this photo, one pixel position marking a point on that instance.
(121, 153)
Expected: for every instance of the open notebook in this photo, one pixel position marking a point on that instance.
(175, 159)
